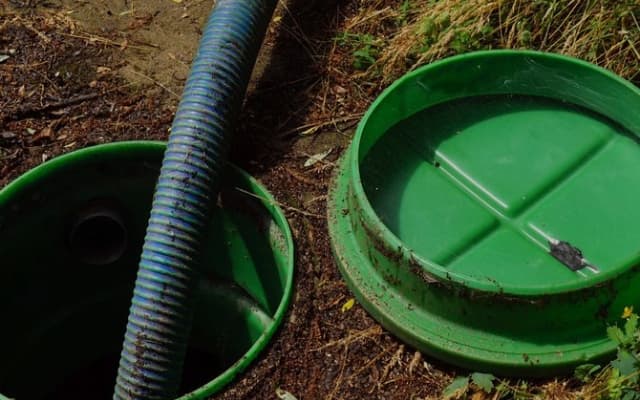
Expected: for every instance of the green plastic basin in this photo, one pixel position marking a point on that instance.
(71, 233)
(486, 211)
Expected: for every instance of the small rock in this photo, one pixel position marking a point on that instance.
(7, 135)
(4, 57)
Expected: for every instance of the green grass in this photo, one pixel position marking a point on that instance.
(404, 34)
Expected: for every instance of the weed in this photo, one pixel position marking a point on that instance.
(618, 380)
(623, 380)
(404, 12)
(364, 48)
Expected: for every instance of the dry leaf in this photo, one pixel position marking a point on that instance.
(46, 132)
(340, 90)
(479, 396)
(310, 131)
(348, 305)
(284, 395)
(314, 159)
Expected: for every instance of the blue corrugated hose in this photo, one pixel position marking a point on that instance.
(162, 307)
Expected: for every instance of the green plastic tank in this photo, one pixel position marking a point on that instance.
(71, 233)
(487, 210)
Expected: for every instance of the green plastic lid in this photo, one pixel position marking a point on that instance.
(486, 211)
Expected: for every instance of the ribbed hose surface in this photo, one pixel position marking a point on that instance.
(162, 307)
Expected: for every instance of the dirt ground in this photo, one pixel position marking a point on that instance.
(80, 73)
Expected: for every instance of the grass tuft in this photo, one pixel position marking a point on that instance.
(387, 38)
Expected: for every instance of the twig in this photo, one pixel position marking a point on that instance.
(352, 337)
(367, 365)
(157, 83)
(343, 364)
(317, 125)
(303, 179)
(94, 38)
(395, 360)
(286, 207)
(41, 35)
(33, 111)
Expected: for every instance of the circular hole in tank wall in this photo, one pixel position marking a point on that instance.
(98, 233)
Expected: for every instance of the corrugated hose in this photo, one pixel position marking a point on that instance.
(161, 312)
